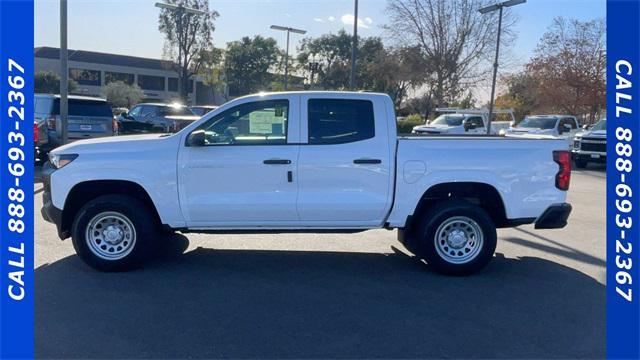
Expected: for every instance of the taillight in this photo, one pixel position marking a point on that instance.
(114, 125)
(563, 177)
(51, 123)
(36, 134)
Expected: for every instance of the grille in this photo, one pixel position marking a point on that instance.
(598, 145)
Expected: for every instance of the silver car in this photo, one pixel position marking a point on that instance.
(89, 117)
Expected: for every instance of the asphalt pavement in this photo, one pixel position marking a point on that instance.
(331, 296)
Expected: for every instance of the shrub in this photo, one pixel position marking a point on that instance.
(405, 126)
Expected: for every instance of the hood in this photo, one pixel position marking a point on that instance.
(595, 134)
(183, 117)
(536, 131)
(436, 128)
(111, 142)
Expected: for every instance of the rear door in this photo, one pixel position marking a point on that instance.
(344, 166)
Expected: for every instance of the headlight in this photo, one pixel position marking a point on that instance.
(60, 160)
(502, 132)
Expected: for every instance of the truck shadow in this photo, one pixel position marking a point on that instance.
(210, 303)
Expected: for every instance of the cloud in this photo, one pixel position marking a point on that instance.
(348, 19)
(287, 15)
(331, 18)
(320, 20)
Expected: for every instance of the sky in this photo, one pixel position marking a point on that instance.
(131, 27)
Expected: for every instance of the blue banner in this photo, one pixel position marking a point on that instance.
(623, 183)
(16, 179)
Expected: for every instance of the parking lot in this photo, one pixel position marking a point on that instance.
(347, 296)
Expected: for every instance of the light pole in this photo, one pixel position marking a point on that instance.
(180, 11)
(286, 58)
(484, 10)
(354, 47)
(64, 73)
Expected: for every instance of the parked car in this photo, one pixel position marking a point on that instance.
(304, 161)
(591, 146)
(559, 126)
(462, 121)
(89, 117)
(155, 118)
(201, 110)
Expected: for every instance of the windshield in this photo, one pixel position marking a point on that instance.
(450, 120)
(601, 125)
(538, 123)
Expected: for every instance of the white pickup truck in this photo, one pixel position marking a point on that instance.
(464, 122)
(304, 162)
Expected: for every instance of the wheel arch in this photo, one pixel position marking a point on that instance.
(85, 191)
(479, 193)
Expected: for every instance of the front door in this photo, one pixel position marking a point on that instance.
(345, 167)
(243, 176)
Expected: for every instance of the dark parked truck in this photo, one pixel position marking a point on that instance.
(305, 161)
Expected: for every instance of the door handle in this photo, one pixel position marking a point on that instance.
(276, 162)
(367, 161)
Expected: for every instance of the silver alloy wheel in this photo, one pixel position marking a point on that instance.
(110, 235)
(458, 240)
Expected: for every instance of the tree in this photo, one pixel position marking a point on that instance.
(121, 94)
(390, 70)
(333, 52)
(522, 95)
(212, 70)
(48, 82)
(247, 63)
(569, 67)
(187, 38)
(456, 40)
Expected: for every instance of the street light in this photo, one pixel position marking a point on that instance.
(488, 9)
(286, 59)
(180, 8)
(354, 47)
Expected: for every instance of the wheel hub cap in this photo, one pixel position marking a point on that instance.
(110, 235)
(113, 234)
(458, 240)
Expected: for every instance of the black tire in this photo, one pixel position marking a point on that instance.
(423, 240)
(139, 216)
(581, 164)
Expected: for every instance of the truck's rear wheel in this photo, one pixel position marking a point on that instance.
(455, 238)
(114, 233)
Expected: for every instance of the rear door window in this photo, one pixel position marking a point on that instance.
(338, 121)
(43, 106)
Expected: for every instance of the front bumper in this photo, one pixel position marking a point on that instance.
(49, 212)
(555, 217)
(590, 156)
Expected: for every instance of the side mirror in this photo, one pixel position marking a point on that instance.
(196, 138)
(585, 127)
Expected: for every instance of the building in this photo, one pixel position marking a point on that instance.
(93, 70)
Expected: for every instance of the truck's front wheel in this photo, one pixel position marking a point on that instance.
(455, 238)
(114, 233)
